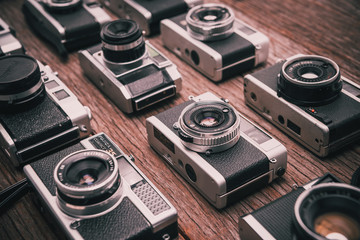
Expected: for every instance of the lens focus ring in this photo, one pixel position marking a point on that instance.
(209, 22)
(209, 126)
(309, 80)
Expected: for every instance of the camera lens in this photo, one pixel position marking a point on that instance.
(88, 183)
(20, 81)
(209, 126)
(309, 80)
(122, 41)
(328, 211)
(209, 22)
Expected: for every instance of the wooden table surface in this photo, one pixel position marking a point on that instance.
(325, 27)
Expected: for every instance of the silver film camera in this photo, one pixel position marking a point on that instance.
(38, 112)
(148, 14)
(322, 209)
(306, 97)
(67, 24)
(130, 71)
(218, 151)
(9, 44)
(92, 190)
(214, 42)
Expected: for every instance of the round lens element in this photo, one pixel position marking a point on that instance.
(20, 81)
(209, 125)
(309, 80)
(88, 183)
(328, 211)
(210, 22)
(122, 41)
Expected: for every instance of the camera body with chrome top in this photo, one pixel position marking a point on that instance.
(92, 190)
(130, 71)
(9, 44)
(67, 24)
(218, 151)
(322, 209)
(214, 42)
(38, 112)
(148, 14)
(306, 97)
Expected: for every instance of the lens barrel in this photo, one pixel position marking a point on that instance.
(122, 41)
(309, 80)
(210, 22)
(88, 183)
(328, 211)
(209, 126)
(20, 82)
(62, 5)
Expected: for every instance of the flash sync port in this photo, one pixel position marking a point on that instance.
(195, 57)
(281, 119)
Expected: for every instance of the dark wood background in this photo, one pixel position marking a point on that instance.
(325, 27)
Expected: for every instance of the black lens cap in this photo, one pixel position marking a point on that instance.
(119, 32)
(18, 73)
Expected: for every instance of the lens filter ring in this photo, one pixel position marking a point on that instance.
(209, 126)
(122, 41)
(328, 211)
(210, 22)
(309, 80)
(20, 81)
(88, 183)
(62, 5)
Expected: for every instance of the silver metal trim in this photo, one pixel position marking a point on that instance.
(260, 230)
(124, 47)
(9, 44)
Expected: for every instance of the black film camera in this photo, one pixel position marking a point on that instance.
(322, 209)
(130, 71)
(67, 24)
(218, 151)
(8, 42)
(306, 97)
(38, 112)
(148, 14)
(92, 190)
(214, 42)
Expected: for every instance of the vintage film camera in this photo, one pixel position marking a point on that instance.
(94, 191)
(130, 71)
(306, 97)
(148, 14)
(8, 42)
(218, 151)
(67, 24)
(38, 112)
(214, 42)
(322, 209)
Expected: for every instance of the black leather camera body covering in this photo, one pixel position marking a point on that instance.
(67, 29)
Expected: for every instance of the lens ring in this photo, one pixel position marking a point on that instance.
(210, 22)
(20, 81)
(327, 199)
(73, 164)
(62, 4)
(211, 125)
(309, 80)
(122, 41)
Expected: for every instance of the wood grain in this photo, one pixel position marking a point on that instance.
(325, 27)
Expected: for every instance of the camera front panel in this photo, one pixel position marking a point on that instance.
(230, 171)
(132, 87)
(335, 122)
(133, 217)
(67, 29)
(8, 42)
(219, 59)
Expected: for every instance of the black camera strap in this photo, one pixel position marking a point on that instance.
(13, 193)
